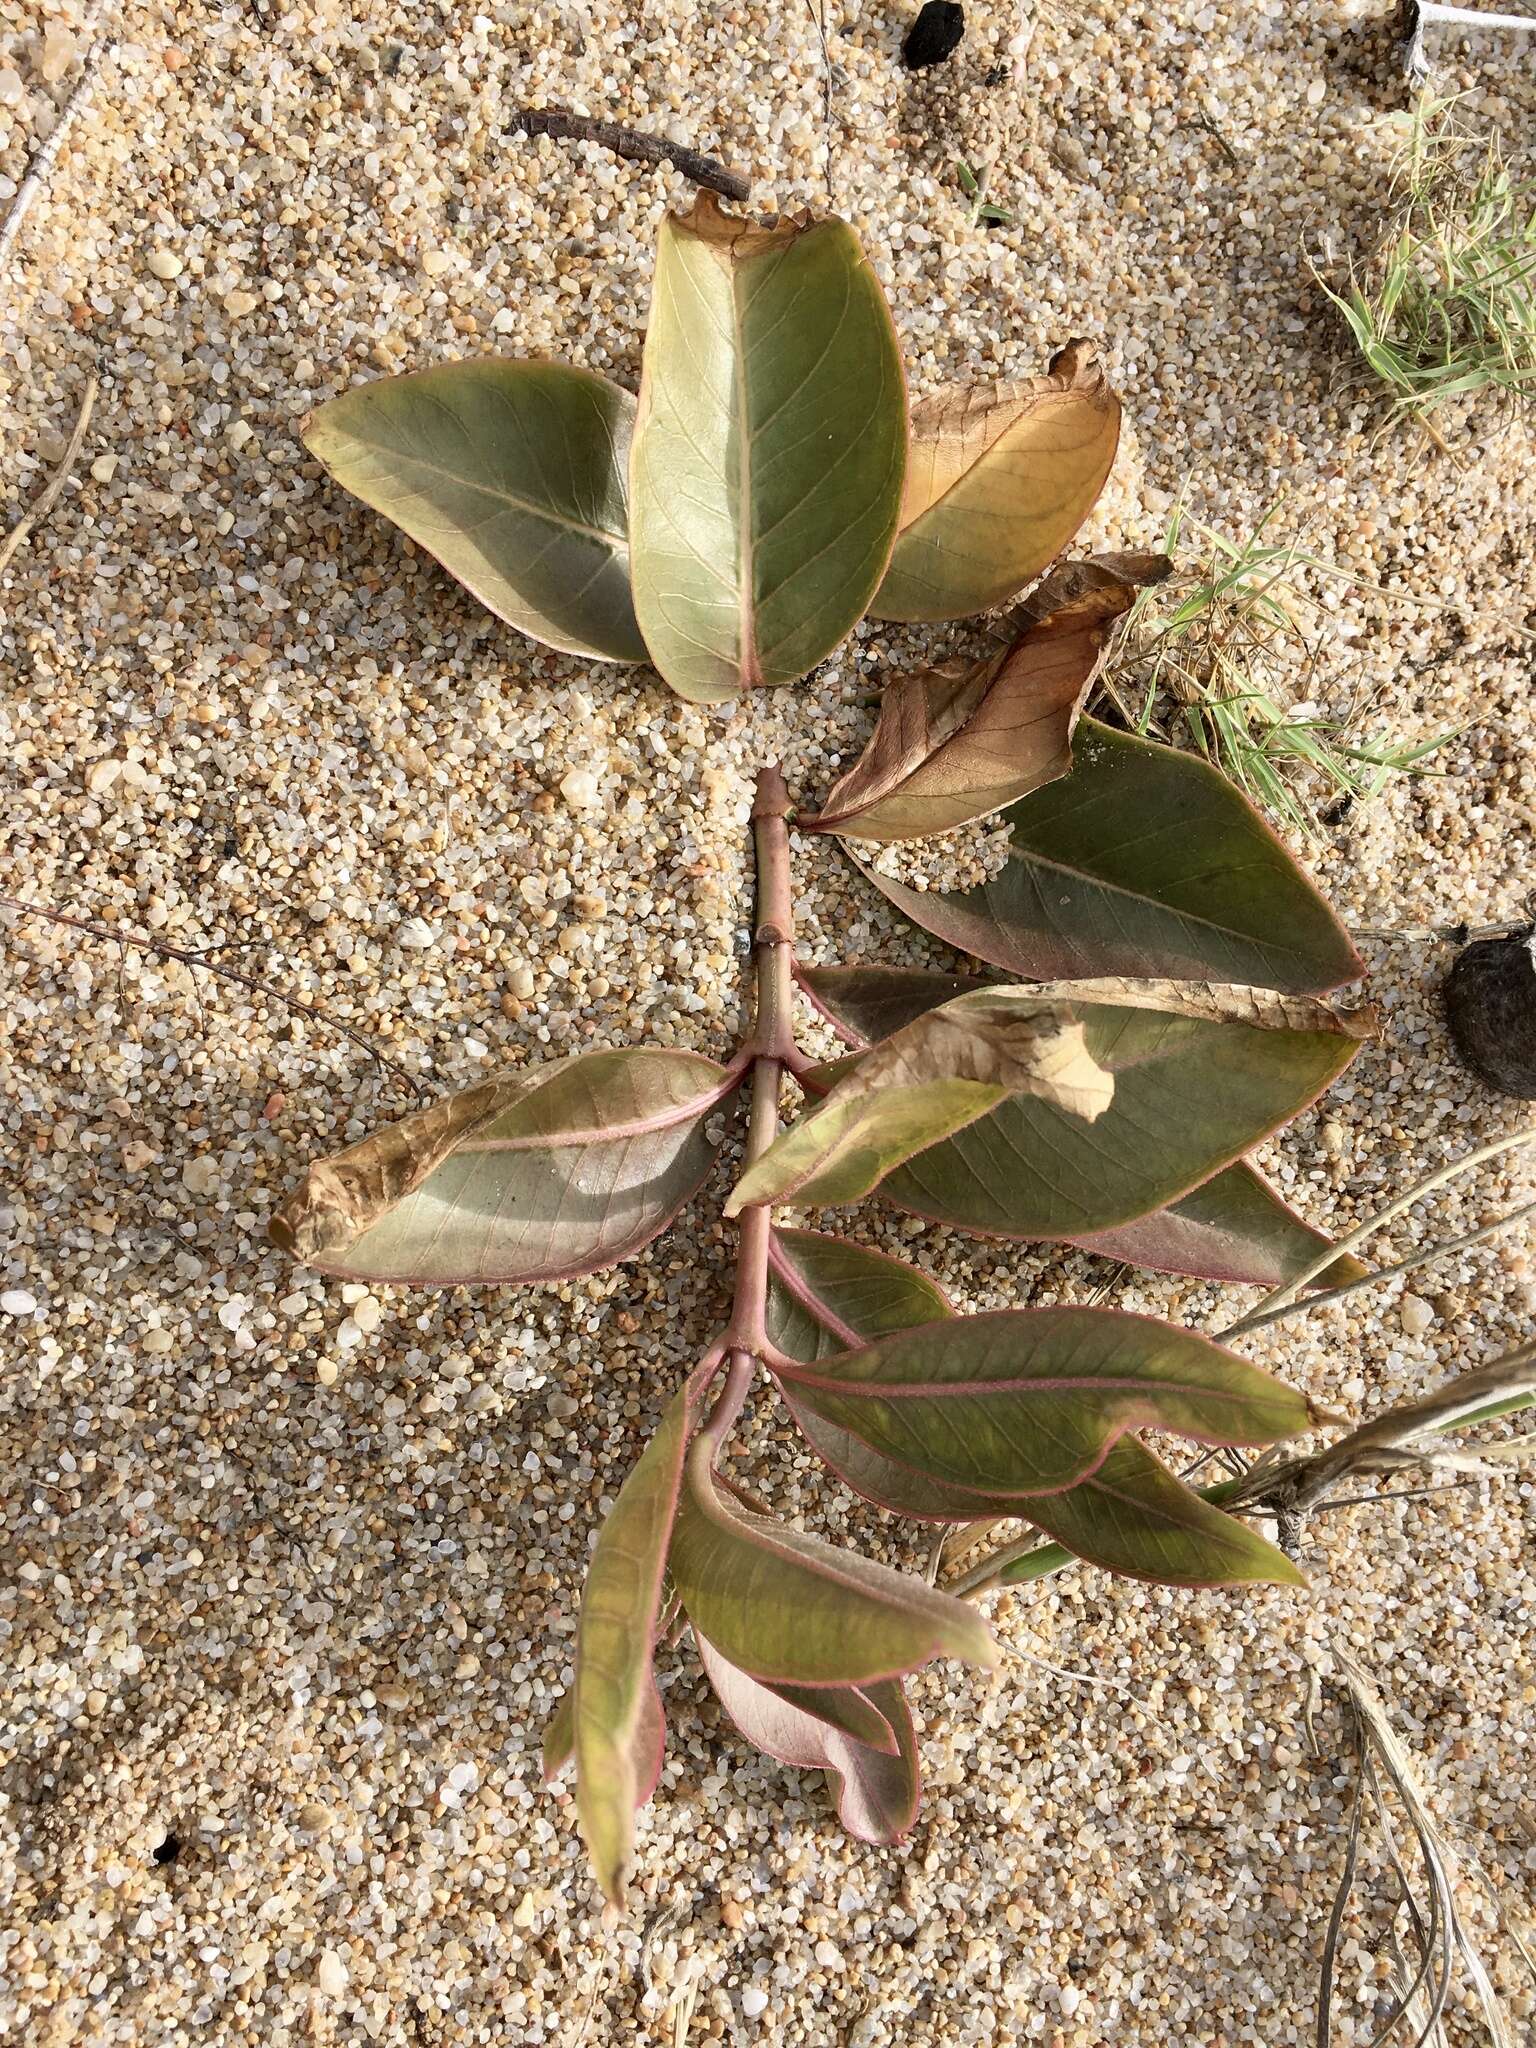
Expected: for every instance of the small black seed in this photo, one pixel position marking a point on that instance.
(168, 1850)
(935, 33)
(1490, 1005)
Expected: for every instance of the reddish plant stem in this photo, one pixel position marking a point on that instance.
(772, 1047)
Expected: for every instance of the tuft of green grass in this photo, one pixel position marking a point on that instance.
(1446, 308)
(1217, 656)
(982, 208)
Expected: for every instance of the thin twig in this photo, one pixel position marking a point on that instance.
(1464, 1243)
(48, 496)
(1287, 1293)
(145, 942)
(817, 9)
(40, 166)
(626, 142)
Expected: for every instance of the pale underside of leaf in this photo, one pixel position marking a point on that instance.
(514, 476)
(616, 1723)
(538, 1175)
(1145, 862)
(953, 746)
(788, 1609)
(769, 449)
(1030, 1401)
(943, 1071)
(999, 478)
(876, 1790)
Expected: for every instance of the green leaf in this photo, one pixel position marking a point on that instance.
(538, 1175)
(1029, 1401)
(1200, 1075)
(769, 447)
(934, 1076)
(999, 478)
(827, 1295)
(1142, 862)
(954, 744)
(616, 1723)
(791, 1610)
(1135, 1517)
(514, 476)
(865, 1004)
(1233, 1227)
(876, 1792)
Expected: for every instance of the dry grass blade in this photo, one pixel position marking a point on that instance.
(49, 495)
(1439, 1931)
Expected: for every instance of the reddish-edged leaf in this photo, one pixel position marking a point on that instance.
(791, 1610)
(1200, 1075)
(768, 452)
(616, 1723)
(513, 475)
(540, 1175)
(999, 478)
(954, 744)
(1143, 861)
(1233, 1227)
(1131, 1515)
(876, 1790)
(1028, 1401)
(934, 1076)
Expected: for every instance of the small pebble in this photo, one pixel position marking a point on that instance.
(754, 2001)
(16, 1301)
(165, 263)
(1416, 1315)
(332, 1974)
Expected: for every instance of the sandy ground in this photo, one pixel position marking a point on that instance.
(291, 1576)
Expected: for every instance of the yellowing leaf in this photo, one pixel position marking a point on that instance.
(514, 476)
(539, 1175)
(1200, 1075)
(788, 1609)
(999, 478)
(768, 453)
(931, 1078)
(953, 746)
(616, 1726)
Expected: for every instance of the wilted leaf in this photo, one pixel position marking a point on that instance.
(1143, 861)
(539, 1175)
(514, 476)
(1234, 1227)
(876, 1792)
(937, 1074)
(791, 1610)
(560, 1735)
(999, 478)
(1070, 581)
(1200, 1075)
(617, 1728)
(1028, 1401)
(768, 451)
(955, 744)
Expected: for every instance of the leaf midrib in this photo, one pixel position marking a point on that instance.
(564, 521)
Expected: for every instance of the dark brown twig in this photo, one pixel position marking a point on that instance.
(625, 142)
(145, 942)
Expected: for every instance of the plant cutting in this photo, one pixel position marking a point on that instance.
(1146, 998)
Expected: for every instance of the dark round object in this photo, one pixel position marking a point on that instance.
(1490, 1004)
(935, 33)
